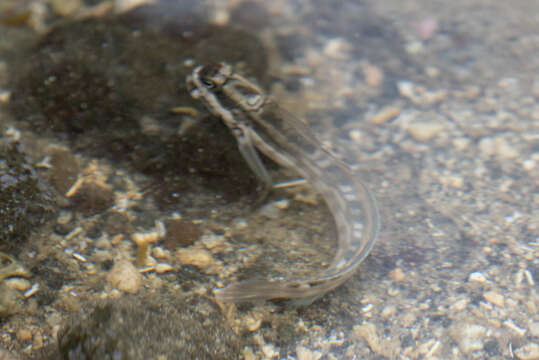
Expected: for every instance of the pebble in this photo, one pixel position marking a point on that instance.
(528, 352)
(337, 48)
(92, 197)
(497, 146)
(477, 277)
(160, 253)
(534, 329)
(425, 131)
(161, 268)
(535, 88)
(248, 354)
(367, 331)
(494, 298)
(303, 353)
(65, 168)
(124, 276)
(414, 47)
(180, 233)
(200, 258)
(397, 275)
(511, 325)
(5, 355)
(461, 143)
(271, 211)
(355, 135)
(282, 204)
(24, 335)
(385, 114)
(460, 305)
(18, 284)
(65, 7)
(374, 76)
(388, 311)
(406, 89)
(469, 337)
(5, 95)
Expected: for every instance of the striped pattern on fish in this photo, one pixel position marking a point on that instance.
(258, 122)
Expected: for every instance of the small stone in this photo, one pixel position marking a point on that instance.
(397, 275)
(5, 95)
(253, 324)
(461, 143)
(5, 355)
(303, 353)
(459, 305)
(367, 331)
(432, 71)
(180, 233)
(494, 298)
(93, 197)
(117, 222)
(337, 48)
(18, 284)
(477, 277)
(406, 89)
(374, 76)
(65, 7)
(414, 47)
(388, 311)
(393, 291)
(282, 204)
(355, 135)
(425, 131)
(24, 335)
(534, 329)
(102, 242)
(535, 88)
(248, 354)
(528, 352)
(197, 257)
(486, 146)
(125, 277)
(123, 6)
(505, 150)
(386, 114)
(497, 146)
(161, 268)
(9, 301)
(511, 325)
(408, 319)
(454, 181)
(271, 211)
(143, 241)
(160, 253)
(469, 337)
(65, 168)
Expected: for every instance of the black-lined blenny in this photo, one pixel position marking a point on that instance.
(259, 124)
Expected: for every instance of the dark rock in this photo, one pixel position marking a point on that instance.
(65, 168)
(25, 201)
(131, 329)
(92, 83)
(180, 233)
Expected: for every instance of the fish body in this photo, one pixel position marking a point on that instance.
(259, 123)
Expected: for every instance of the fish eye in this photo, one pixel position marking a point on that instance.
(210, 84)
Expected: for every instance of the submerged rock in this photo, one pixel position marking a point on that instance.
(109, 87)
(131, 330)
(25, 201)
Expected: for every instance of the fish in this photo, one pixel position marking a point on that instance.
(260, 125)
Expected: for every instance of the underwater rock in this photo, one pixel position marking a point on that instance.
(131, 330)
(26, 202)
